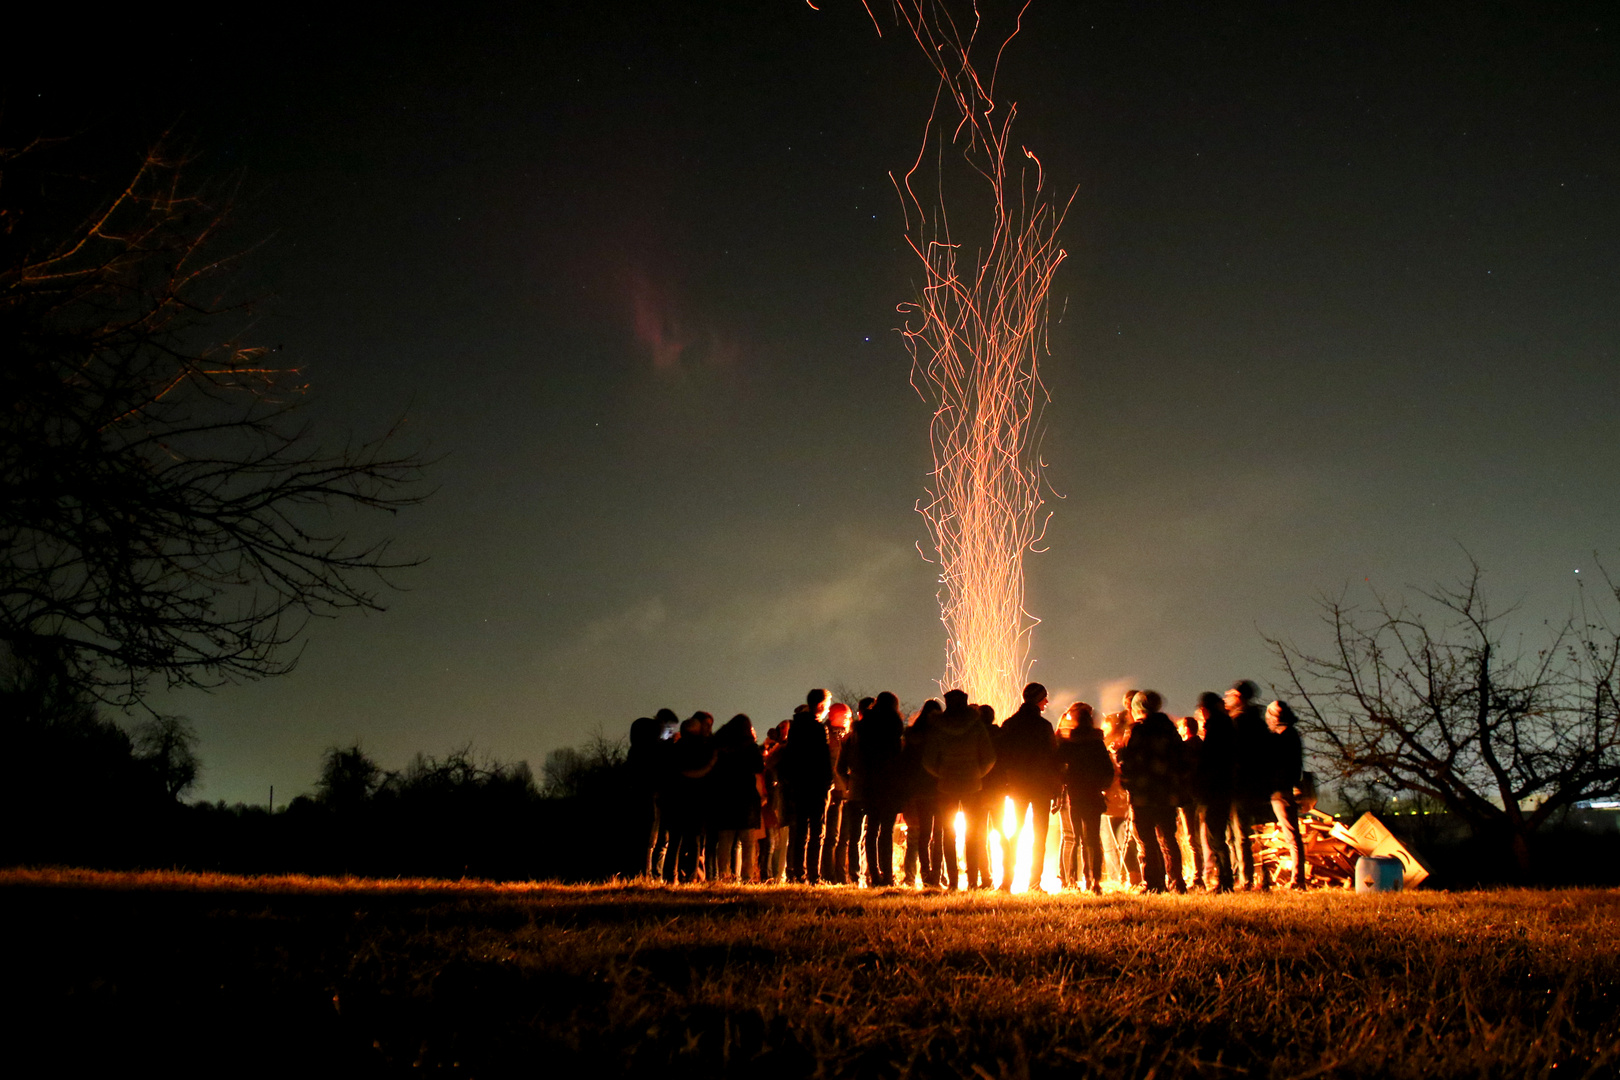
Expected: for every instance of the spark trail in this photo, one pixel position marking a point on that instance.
(976, 332)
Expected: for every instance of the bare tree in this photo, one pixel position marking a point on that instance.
(164, 509)
(1431, 696)
(168, 746)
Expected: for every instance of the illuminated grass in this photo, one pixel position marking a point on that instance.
(834, 982)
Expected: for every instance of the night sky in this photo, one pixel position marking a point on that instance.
(1340, 305)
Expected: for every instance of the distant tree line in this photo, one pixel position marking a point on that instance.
(86, 791)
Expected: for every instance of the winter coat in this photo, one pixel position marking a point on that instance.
(958, 752)
(919, 786)
(1251, 748)
(1192, 754)
(1150, 764)
(1287, 754)
(1217, 762)
(1026, 756)
(1087, 771)
(736, 782)
(806, 769)
(870, 761)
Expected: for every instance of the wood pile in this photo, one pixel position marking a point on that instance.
(1331, 851)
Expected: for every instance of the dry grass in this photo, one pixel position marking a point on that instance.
(496, 979)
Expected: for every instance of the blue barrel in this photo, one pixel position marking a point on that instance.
(1379, 873)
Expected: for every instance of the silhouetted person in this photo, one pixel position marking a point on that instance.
(1087, 771)
(806, 772)
(871, 763)
(775, 815)
(835, 843)
(1150, 767)
(959, 755)
(646, 764)
(1120, 848)
(669, 725)
(693, 761)
(923, 847)
(1212, 788)
(1288, 762)
(1251, 778)
(1192, 750)
(1026, 757)
(739, 782)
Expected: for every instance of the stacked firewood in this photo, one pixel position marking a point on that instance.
(1331, 851)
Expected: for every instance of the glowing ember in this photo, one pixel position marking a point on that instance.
(975, 334)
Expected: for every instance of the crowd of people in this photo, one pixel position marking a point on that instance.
(819, 800)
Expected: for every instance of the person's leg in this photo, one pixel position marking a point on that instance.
(885, 850)
(1242, 848)
(1091, 828)
(1009, 848)
(849, 843)
(946, 826)
(977, 853)
(1042, 819)
(1175, 881)
(1068, 844)
(1286, 808)
(1214, 820)
(1142, 824)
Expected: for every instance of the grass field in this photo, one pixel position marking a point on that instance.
(236, 976)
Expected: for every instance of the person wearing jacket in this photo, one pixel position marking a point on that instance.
(870, 763)
(1086, 772)
(1288, 763)
(690, 797)
(835, 842)
(958, 755)
(1212, 789)
(739, 796)
(806, 772)
(1192, 751)
(1150, 768)
(1121, 852)
(1251, 778)
(645, 768)
(924, 846)
(1027, 761)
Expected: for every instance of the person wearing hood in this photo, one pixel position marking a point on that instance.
(1027, 762)
(958, 755)
(1150, 768)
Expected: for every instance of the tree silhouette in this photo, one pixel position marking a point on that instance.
(164, 511)
(1434, 697)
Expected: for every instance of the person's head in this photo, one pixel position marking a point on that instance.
(930, 709)
(1145, 704)
(693, 725)
(865, 706)
(987, 715)
(644, 731)
(1188, 726)
(776, 734)
(1075, 717)
(739, 729)
(1209, 705)
(816, 702)
(1127, 700)
(956, 699)
(1279, 717)
(1242, 694)
(1035, 694)
(668, 723)
(838, 715)
(887, 702)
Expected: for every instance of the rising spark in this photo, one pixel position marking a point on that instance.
(975, 334)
